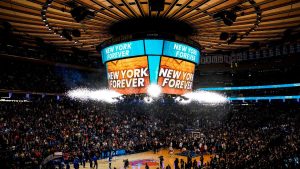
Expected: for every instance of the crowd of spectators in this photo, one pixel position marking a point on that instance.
(35, 77)
(245, 136)
(50, 53)
(265, 136)
(253, 136)
(33, 131)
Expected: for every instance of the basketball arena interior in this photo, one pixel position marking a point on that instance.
(150, 84)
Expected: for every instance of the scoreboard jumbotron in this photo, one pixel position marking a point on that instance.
(133, 65)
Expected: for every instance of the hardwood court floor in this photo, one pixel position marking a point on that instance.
(149, 156)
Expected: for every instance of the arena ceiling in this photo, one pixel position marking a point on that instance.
(256, 20)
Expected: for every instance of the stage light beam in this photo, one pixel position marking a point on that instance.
(148, 100)
(206, 97)
(103, 95)
(154, 90)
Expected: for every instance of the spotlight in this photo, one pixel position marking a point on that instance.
(205, 97)
(154, 90)
(148, 99)
(233, 38)
(259, 15)
(157, 5)
(80, 13)
(103, 95)
(218, 16)
(66, 34)
(229, 17)
(224, 36)
(182, 100)
(76, 33)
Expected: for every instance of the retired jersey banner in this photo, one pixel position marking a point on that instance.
(175, 75)
(128, 76)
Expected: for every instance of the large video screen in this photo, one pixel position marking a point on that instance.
(175, 76)
(149, 47)
(128, 76)
(123, 50)
(132, 66)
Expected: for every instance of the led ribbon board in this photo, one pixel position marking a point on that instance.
(123, 50)
(277, 86)
(254, 98)
(150, 47)
(181, 51)
(257, 98)
(133, 66)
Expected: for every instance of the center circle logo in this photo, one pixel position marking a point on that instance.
(150, 162)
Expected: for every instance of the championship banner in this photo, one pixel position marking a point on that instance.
(285, 49)
(266, 53)
(257, 54)
(175, 75)
(128, 76)
(292, 48)
(298, 47)
(271, 52)
(278, 51)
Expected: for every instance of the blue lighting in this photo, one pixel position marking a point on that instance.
(251, 87)
(123, 50)
(153, 47)
(153, 64)
(181, 51)
(263, 98)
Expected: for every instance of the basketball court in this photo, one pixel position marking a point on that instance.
(137, 161)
